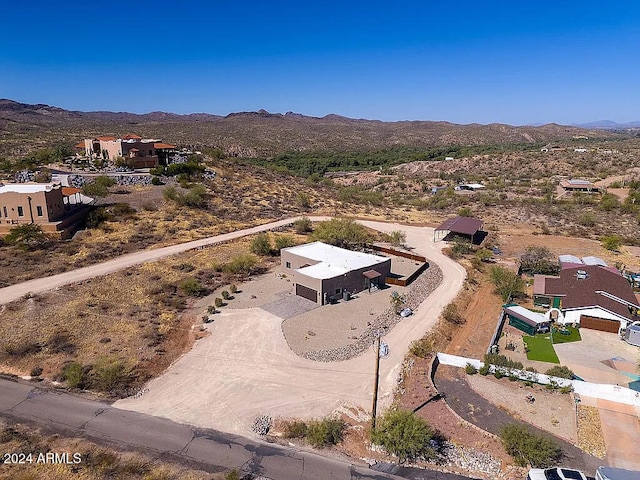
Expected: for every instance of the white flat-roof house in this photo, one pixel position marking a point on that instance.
(323, 272)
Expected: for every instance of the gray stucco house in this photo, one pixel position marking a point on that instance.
(323, 272)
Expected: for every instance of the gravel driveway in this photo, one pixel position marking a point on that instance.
(245, 368)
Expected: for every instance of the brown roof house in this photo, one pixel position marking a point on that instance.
(138, 152)
(592, 296)
(58, 210)
(323, 273)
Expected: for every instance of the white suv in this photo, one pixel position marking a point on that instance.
(555, 474)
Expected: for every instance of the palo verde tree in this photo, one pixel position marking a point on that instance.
(403, 434)
(508, 284)
(341, 232)
(539, 260)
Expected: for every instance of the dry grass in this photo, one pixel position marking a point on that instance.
(138, 316)
(96, 462)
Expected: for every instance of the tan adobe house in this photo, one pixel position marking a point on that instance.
(58, 210)
(138, 152)
(324, 273)
(593, 296)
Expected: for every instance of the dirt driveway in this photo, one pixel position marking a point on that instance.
(245, 368)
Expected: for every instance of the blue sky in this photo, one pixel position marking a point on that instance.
(486, 61)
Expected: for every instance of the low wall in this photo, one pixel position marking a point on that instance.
(614, 393)
(403, 282)
(398, 253)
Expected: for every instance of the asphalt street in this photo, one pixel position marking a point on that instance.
(73, 415)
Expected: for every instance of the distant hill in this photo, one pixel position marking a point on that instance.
(609, 125)
(247, 134)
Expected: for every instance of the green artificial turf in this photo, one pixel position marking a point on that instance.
(574, 335)
(541, 349)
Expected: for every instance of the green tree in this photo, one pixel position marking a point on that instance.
(404, 434)
(507, 283)
(282, 241)
(539, 260)
(609, 202)
(28, 237)
(303, 225)
(261, 244)
(529, 447)
(611, 242)
(397, 237)
(191, 287)
(325, 432)
(99, 187)
(241, 264)
(341, 232)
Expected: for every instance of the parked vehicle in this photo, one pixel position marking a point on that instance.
(555, 473)
(610, 473)
(406, 312)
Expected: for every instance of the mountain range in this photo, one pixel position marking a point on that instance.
(261, 133)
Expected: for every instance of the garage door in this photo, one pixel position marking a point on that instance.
(599, 324)
(306, 292)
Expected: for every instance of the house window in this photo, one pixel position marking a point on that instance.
(338, 291)
(5, 211)
(20, 212)
(39, 209)
(288, 264)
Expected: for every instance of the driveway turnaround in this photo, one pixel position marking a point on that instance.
(206, 449)
(245, 368)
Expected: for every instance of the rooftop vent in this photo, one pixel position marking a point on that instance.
(581, 275)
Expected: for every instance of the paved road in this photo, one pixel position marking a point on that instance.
(207, 449)
(8, 294)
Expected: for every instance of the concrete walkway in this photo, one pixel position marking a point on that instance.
(621, 431)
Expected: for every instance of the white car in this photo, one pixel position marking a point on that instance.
(556, 473)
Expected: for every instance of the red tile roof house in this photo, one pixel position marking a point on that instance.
(138, 152)
(592, 296)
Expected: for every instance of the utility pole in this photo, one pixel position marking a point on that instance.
(375, 384)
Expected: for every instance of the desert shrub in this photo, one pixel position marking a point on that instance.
(99, 187)
(303, 225)
(460, 248)
(232, 475)
(341, 232)
(75, 375)
(97, 216)
(156, 181)
(611, 242)
(529, 447)
(61, 342)
(241, 264)
(225, 295)
(111, 375)
(233, 288)
(170, 193)
(498, 373)
(451, 314)
(422, 348)
(36, 371)
(295, 429)
(609, 202)
(303, 200)
(484, 370)
(561, 372)
(325, 432)
(587, 219)
(465, 212)
(403, 434)
(261, 244)
(397, 301)
(22, 348)
(218, 302)
(282, 241)
(470, 369)
(191, 287)
(28, 237)
(123, 210)
(502, 361)
(508, 284)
